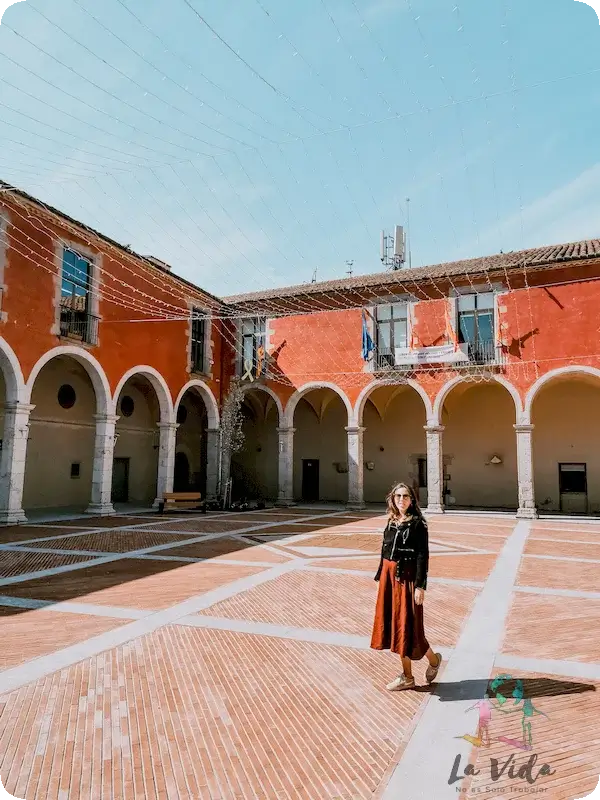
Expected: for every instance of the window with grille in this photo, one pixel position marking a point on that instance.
(391, 331)
(253, 343)
(198, 341)
(476, 325)
(76, 319)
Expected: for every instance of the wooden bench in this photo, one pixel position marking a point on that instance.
(175, 500)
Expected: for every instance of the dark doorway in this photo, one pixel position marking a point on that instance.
(120, 480)
(310, 480)
(181, 477)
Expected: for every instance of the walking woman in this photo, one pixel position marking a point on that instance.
(402, 577)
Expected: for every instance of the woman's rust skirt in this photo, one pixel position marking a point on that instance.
(398, 624)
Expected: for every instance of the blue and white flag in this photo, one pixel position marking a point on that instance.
(367, 341)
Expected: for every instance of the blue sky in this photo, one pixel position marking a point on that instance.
(251, 142)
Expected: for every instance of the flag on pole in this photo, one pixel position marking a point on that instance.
(367, 341)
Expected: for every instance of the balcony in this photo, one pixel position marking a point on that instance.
(79, 325)
(463, 356)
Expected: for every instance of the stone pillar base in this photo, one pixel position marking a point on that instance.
(100, 509)
(351, 506)
(285, 503)
(434, 508)
(12, 517)
(527, 513)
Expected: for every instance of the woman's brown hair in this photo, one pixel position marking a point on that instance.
(392, 509)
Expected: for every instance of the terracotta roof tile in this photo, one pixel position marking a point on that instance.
(534, 257)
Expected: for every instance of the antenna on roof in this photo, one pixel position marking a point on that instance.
(349, 264)
(393, 248)
(314, 276)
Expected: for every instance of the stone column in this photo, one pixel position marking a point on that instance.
(355, 468)
(166, 459)
(104, 448)
(12, 464)
(286, 466)
(213, 441)
(527, 509)
(435, 469)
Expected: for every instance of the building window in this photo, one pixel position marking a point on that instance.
(75, 470)
(198, 341)
(253, 347)
(476, 326)
(76, 319)
(391, 332)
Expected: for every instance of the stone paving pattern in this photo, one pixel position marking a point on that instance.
(208, 656)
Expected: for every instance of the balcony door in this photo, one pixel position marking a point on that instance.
(476, 326)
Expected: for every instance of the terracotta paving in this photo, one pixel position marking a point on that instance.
(27, 634)
(112, 541)
(571, 621)
(229, 548)
(559, 574)
(565, 739)
(13, 563)
(470, 567)
(131, 582)
(562, 549)
(234, 710)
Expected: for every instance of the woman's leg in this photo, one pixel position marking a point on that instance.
(432, 658)
(407, 668)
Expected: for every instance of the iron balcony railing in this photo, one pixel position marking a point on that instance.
(482, 353)
(79, 325)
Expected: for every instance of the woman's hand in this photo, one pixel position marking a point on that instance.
(419, 596)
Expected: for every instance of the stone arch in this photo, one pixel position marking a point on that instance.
(288, 416)
(13, 375)
(159, 385)
(259, 387)
(451, 384)
(371, 387)
(573, 370)
(88, 362)
(212, 409)
(479, 442)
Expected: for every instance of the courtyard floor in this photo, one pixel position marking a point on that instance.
(227, 656)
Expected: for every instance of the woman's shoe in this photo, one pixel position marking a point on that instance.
(401, 683)
(431, 672)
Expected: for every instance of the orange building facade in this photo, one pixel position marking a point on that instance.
(476, 381)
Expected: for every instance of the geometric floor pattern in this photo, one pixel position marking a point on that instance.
(226, 656)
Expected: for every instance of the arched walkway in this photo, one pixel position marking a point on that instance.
(12, 376)
(142, 400)
(255, 468)
(320, 414)
(566, 463)
(192, 414)
(12, 391)
(479, 443)
(68, 388)
(394, 443)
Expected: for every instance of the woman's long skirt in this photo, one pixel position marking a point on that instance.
(398, 624)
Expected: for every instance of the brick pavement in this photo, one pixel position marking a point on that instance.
(217, 657)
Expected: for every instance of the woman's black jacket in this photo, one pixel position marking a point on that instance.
(413, 551)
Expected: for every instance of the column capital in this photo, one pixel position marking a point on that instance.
(352, 429)
(18, 408)
(167, 426)
(107, 418)
(433, 428)
(527, 428)
(286, 430)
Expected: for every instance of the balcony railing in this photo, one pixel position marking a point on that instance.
(485, 353)
(79, 325)
(465, 355)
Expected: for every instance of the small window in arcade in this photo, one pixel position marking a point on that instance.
(127, 406)
(66, 396)
(75, 470)
(572, 478)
